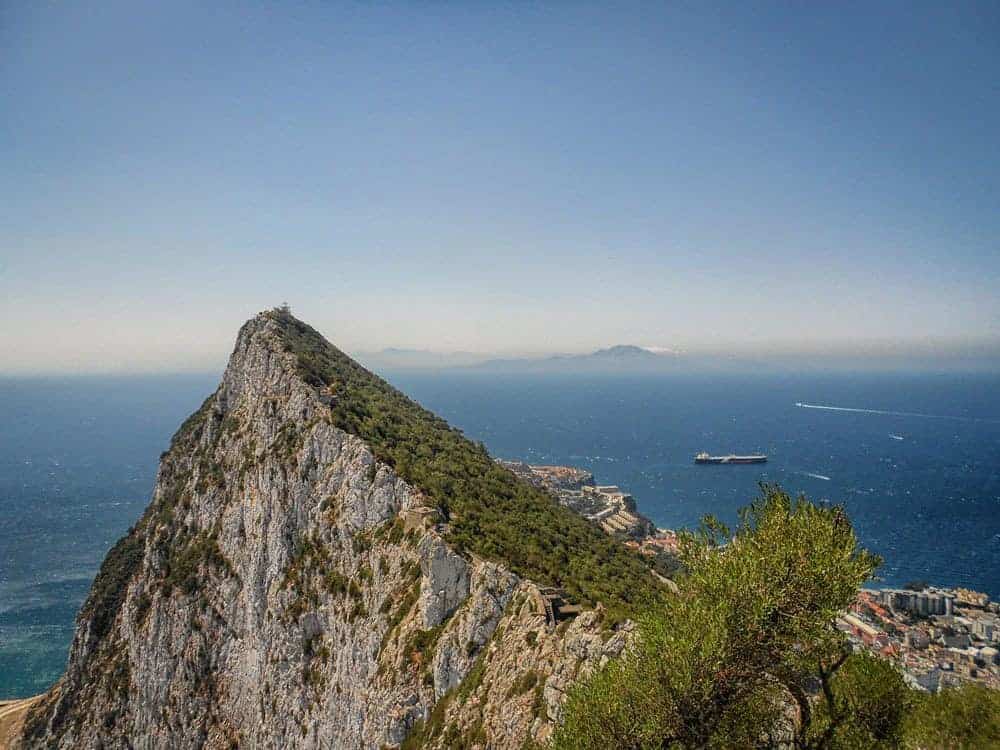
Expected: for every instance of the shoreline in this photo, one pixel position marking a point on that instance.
(12, 713)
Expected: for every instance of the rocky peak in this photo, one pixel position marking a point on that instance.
(324, 563)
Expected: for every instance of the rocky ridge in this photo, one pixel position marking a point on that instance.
(284, 590)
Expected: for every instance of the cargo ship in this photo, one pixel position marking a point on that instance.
(704, 458)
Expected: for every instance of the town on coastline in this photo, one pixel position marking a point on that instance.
(608, 506)
(939, 637)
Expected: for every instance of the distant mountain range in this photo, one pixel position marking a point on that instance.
(621, 357)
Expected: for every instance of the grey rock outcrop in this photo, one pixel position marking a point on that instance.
(445, 581)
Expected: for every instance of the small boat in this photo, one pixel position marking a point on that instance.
(704, 458)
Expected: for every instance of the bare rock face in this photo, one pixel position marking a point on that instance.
(492, 587)
(516, 688)
(271, 597)
(445, 581)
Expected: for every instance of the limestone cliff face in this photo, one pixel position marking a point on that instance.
(283, 590)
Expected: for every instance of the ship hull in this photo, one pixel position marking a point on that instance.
(732, 460)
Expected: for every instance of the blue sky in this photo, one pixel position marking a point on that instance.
(503, 177)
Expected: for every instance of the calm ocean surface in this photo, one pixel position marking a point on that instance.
(78, 458)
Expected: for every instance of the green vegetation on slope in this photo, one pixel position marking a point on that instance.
(490, 512)
(108, 592)
(966, 717)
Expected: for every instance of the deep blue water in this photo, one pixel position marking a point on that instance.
(78, 458)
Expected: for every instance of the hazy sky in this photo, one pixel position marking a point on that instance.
(509, 177)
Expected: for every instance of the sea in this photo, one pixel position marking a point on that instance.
(915, 458)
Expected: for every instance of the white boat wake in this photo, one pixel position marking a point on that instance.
(888, 413)
(816, 476)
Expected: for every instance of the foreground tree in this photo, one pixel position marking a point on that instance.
(746, 656)
(729, 662)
